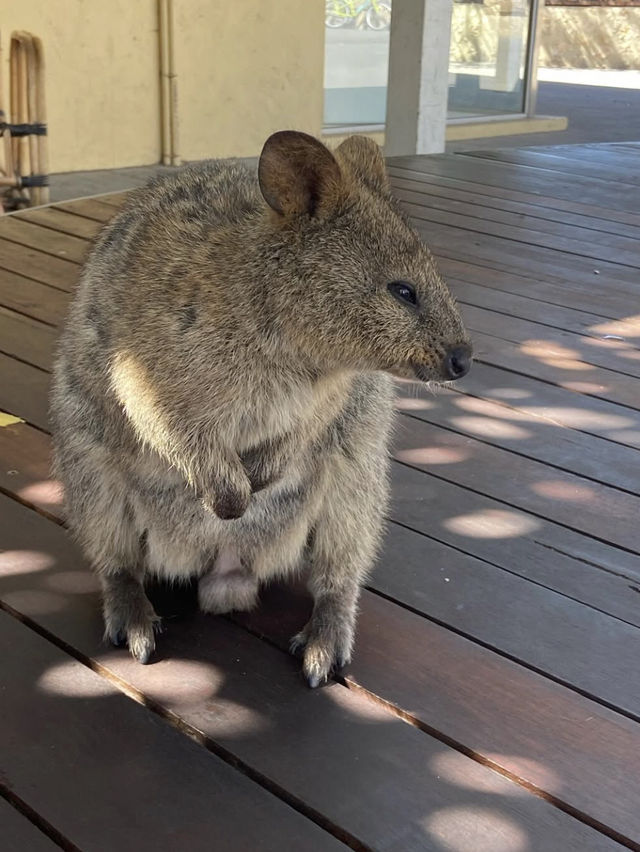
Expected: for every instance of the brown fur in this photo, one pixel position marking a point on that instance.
(222, 396)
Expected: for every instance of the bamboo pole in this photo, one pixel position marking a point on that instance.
(41, 113)
(168, 85)
(26, 155)
(173, 87)
(34, 159)
(165, 95)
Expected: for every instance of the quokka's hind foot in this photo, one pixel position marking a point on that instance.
(129, 616)
(325, 644)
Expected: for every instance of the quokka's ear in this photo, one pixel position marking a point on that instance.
(364, 159)
(299, 175)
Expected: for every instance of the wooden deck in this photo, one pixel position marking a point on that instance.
(494, 701)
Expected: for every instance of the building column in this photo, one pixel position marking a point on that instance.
(418, 77)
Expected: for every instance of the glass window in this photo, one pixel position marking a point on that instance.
(488, 57)
(356, 62)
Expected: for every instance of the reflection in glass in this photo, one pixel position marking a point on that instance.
(488, 57)
(356, 61)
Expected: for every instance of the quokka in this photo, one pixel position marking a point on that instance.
(223, 388)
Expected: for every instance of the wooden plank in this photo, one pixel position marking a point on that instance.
(580, 165)
(88, 208)
(27, 339)
(349, 759)
(511, 539)
(44, 239)
(434, 190)
(25, 469)
(559, 560)
(111, 775)
(522, 230)
(554, 405)
(522, 258)
(585, 505)
(619, 156)
(471, 597)
(558, 370)
(587, 297)
(59, 220)
(614, 355)
(24, 391)
(37, 265)
(528, 434)
(32, 298)
(530, 308)
(593, 193)
(520, 721)
(632, 148)
(466, 174)
(115, 199)
(21, 835)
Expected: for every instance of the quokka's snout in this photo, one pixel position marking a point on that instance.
(457, 361)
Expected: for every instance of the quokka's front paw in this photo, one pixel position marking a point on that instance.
(229, 502)
(325, 643)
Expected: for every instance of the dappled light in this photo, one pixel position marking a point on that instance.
(488, 830)
(554, 355)
(628, 328)
(182, 684)
(630, 354)
(510, 393)
(558, 490)
(36, 601)
(48, 492)
(365, 711)
(24, 561)
(456, 768)
(489, 427)
(197, 680)
(492, 523)
(529, 770)
(586, 387)
(580, 418)
(618, 345)
(408, 403)
(434, 455)
(69, 681)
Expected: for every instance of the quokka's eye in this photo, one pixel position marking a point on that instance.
(403, 292)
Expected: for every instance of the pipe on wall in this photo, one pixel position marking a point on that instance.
(168, 85)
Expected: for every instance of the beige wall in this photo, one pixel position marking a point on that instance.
(101, 72)
(245, 68)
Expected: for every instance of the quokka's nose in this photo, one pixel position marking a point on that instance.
(457, 361)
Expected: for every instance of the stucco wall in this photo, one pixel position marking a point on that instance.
(245, 68)
(101, 78)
